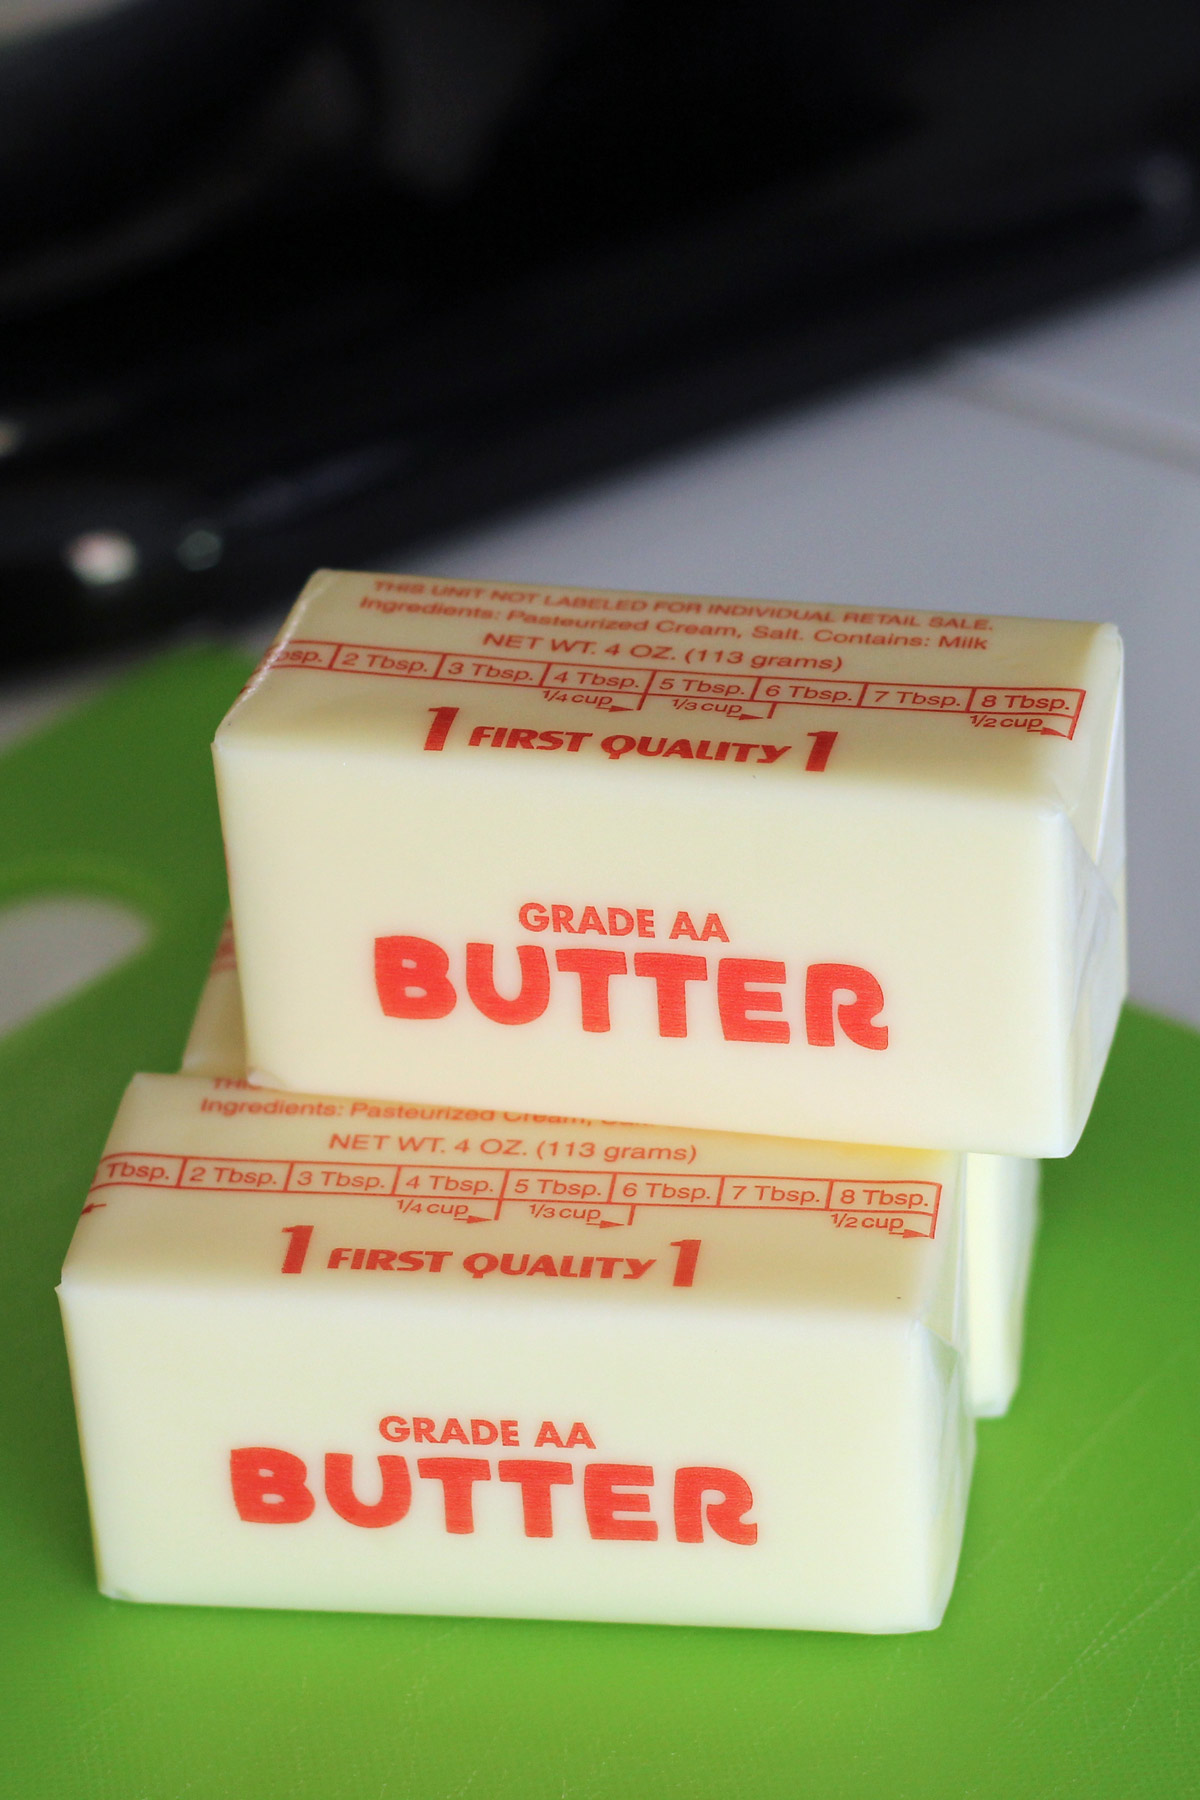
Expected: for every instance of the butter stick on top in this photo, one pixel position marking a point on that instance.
(806, 871)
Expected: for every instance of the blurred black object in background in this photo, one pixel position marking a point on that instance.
(284, 282)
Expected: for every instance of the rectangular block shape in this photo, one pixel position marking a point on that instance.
(355, 1354)
(803, 871)
(999, 1203)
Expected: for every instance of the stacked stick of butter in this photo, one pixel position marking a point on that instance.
(380, 1305)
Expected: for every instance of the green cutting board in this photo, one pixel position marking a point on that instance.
(1067, 1664)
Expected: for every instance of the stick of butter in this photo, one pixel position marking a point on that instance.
(802, 871)
(351, 1354)
(1000, 1221)
(1000, 1203)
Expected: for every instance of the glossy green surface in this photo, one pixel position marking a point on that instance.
(1067, 1664)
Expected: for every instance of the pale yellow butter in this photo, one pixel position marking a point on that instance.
(354, 1354)
(1000, 1220)
(806, 871)
(1000, 1205)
